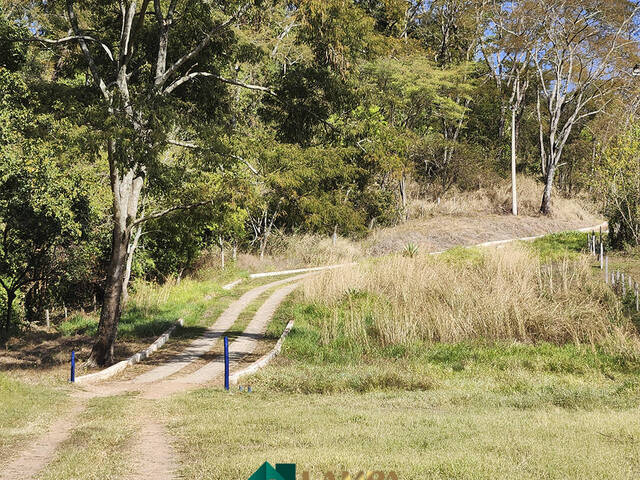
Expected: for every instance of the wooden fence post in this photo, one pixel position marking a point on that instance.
(46, 313)
(65, 311)
(601, 256)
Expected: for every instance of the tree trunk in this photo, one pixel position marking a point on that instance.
(126, 190)
(263, 246)
(543, 156)
(514, 191)
(221, 245)
(545, 207)
(403, 197)
(503, 120)
(127, 271)
(4, 334)
(102, 352)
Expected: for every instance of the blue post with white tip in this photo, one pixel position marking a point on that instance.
(73, 366)
(226, 363)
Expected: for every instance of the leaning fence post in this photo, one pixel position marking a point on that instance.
(73, 366)
(226, 363)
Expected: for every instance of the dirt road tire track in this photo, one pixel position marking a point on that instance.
(42, 451)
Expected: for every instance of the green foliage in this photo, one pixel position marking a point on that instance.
(365, 105)
(617, 179)
(12, 54)
(339, 32)
(42, 207)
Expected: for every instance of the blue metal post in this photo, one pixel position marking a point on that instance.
(73, 365)
(226, 363)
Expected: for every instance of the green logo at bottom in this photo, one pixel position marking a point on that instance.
(283, 471)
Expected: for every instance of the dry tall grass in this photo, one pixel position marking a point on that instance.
(298, 251)
(506, 294)
(497, 199)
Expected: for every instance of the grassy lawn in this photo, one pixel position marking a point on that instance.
(559, 245)
(339, 398)
(98, 447)
(419, 435)
(25, 412)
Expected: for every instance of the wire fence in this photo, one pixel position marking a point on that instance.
(622, 283)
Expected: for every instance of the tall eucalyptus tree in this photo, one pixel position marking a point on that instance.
(146, 61)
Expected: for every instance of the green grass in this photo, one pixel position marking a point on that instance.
(154, 308)
(470, 410)
(456, 255)
(559, 245)
(25, 411)
(98, 447)
(419, 435)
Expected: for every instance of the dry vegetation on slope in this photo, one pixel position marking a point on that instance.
(506, 294)
(469, 218)
(459, 218)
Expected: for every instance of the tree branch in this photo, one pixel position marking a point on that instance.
(193, 75)
(181, 143)
(246, 162)
(85, 50)
(160, 81)
(167, 211)
(68, 39)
